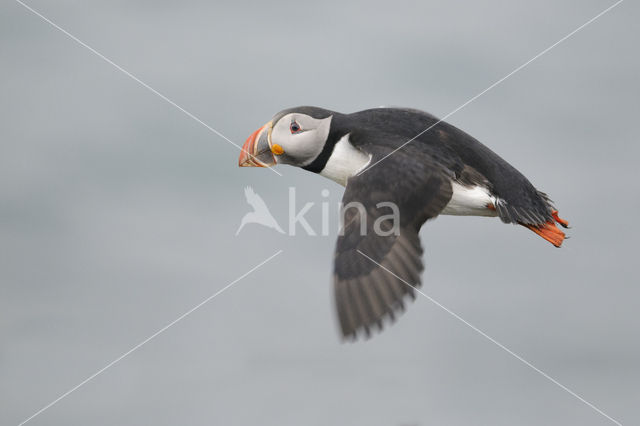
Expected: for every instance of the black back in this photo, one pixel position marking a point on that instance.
(519, 200)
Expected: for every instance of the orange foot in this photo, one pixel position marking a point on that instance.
(562, 222)
(550, 232)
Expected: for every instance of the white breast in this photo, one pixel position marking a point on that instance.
(469, 201)
(345, 161)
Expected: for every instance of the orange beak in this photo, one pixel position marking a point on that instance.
(256, 151)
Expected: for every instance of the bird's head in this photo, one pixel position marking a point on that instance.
(295, 136)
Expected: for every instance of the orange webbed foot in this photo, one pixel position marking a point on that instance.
(557, 218)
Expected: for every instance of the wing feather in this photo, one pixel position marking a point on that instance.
(368, 291)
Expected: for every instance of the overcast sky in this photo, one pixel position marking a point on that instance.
(118, 214)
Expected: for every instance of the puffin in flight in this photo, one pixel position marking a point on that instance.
(440, 171)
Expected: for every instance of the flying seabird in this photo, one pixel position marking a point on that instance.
(440, 171)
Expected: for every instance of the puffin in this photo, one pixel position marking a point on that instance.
(416, 166)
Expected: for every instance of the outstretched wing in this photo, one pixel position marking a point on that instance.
(255, 200)
(366, 258)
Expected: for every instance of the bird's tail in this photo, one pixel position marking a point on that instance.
(549, 231)
(240, 227)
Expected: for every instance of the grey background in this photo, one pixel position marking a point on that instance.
(118, 214)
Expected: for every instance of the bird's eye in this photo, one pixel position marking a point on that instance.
(295, 127)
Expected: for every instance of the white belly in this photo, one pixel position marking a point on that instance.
(346, 161)
(469, 201)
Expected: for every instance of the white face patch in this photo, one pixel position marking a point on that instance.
(301, 137)
(345, 161)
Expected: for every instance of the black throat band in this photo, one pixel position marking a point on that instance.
(320, 162)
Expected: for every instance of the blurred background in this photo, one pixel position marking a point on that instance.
(118, 213)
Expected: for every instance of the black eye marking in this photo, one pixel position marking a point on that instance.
(295, 127)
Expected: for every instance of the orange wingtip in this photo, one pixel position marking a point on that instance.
(550, 232)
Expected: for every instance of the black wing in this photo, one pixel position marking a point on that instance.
(365, 292)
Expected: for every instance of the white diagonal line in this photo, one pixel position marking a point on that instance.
(145, 341)
(500, 345)
(133, 77)
(493, 85)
